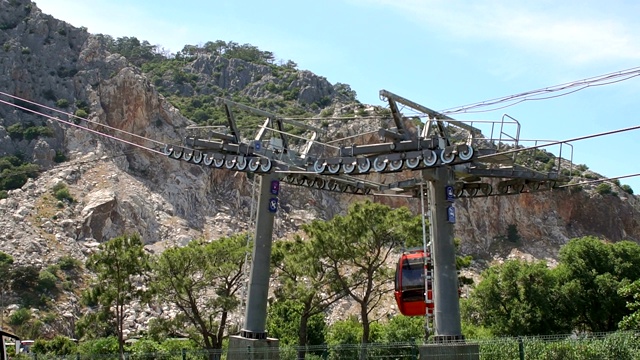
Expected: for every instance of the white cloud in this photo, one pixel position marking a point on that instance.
(566, 31)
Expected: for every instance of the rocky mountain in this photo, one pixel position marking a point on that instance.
(115, 188)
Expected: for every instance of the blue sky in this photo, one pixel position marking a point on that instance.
(438, 53)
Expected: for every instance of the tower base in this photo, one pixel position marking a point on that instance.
(451, 351)
(241, 348)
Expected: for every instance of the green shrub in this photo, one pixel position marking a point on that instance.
(54, 269)
(59, 186)
(30, 132)
(103, 346)
(175, 345)
(144, 347)
(34, 132)
(61, 192)
(12, 179)
(576, 188)
(59, 157)
(69, 263)
(326, 112)
(603, 189)
(60, 345)
(20, 317)
(62, 103)
(627, 189)
(81, 113)
(3, 194)
(512, 233)
(46, 281)
(15, 131)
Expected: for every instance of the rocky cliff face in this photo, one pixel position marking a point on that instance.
(120, 188)
(540, 223)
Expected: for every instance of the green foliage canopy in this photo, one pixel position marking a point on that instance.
(591, 290)
(591, 273)
(355, 248)
(515, 299)
(306, 290)
(184, 276)
(117, 264)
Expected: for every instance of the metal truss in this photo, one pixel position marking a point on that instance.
(442, 141)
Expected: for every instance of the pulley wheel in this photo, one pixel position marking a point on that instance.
(430, 158)
(348, 168)
(447, 158)
(265, 165)
(254, 164)
(319, 166)
(379, 164)
(219, 163)
(187, 155)
(413, 163)
(395, 165)
(364, 165)
(208, 159)
(241, 163)
(467, 154)
(230, 163)
(333, 168)
(197, 157)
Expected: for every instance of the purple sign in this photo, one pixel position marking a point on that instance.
(275, 187)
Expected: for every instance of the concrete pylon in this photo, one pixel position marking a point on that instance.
(445, 276)
(253, 343)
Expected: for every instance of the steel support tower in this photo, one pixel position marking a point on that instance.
(452, 158)
(445, 275)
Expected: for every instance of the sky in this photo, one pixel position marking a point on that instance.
(439, 53)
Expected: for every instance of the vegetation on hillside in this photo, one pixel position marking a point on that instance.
(14, 172)
(117, 266)
(595, 287)
(196, 98)
(590, 291)
(545, 161)
(34, 287)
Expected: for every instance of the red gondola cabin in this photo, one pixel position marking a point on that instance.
(410, 284)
